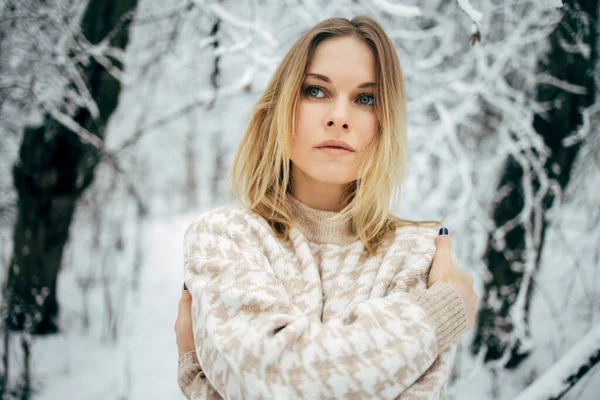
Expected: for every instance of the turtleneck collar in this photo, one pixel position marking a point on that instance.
(321, 226)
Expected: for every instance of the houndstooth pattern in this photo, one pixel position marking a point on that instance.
(302, 319)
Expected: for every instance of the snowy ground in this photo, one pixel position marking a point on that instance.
(142, 363)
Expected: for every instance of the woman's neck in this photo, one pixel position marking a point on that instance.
(322, 196)
(320, 226)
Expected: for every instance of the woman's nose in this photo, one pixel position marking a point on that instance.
(339, 115)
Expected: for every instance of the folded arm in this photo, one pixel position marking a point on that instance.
(192, 380)
(256, 343)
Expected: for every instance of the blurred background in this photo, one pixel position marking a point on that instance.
(119, 120)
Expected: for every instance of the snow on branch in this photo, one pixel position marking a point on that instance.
(475, 16)
(202, 100)
(585, 128)
(398, 10)
(561, 84)
(549, 3)
(72, 125)
(567, 371)
(233, 20)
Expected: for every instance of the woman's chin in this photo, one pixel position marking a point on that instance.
(331, 179)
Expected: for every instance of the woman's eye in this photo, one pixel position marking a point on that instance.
(314, 91)
(366, 99)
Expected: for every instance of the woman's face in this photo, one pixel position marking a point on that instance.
(336, 104)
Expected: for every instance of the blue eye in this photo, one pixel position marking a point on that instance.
(366, 99)
(313, 91)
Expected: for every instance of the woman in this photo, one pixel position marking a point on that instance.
(314, 290)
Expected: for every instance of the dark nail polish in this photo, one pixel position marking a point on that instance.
(184, 287)
(443, 231)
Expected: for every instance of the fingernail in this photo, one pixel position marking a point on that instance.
(184, 287)
(443, 231)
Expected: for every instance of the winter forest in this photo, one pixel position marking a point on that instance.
(119, 120)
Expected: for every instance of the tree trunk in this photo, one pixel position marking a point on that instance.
(53, 170)
(502, 322)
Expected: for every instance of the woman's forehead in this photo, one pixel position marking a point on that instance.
(345, 58)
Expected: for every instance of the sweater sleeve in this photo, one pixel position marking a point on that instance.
(192, 380)
(434, 382)
(257, 344)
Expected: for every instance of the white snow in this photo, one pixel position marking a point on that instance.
(142, 364)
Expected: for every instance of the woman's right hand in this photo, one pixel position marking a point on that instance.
(184, 334)
(443, 269)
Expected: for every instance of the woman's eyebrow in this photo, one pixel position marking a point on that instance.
(326, 79)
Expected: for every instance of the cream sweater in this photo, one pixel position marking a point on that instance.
(315, 317)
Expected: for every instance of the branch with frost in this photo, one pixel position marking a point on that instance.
(203, 99)
(585, 128)
(82, 96)
(548, 79)
(475, 16)
(113, 162)
(573, 366)
(102, 52)
(162, 15)
(68, 122)
(411, 34)
(220, 12)
(165, 44)
(398, 10)
(550, 3)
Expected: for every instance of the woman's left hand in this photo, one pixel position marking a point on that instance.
(183, 324)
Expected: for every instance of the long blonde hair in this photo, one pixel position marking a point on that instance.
(261, 168)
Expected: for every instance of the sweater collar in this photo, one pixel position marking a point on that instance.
(321, 226)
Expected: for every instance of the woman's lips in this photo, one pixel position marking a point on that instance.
(335, 151)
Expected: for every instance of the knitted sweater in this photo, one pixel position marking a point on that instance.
(315, 316)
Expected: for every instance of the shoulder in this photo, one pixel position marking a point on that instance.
(228, 221)
(419, 235)
(413, 230)
(227, 233)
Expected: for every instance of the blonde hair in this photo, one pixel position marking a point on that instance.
(261, 167)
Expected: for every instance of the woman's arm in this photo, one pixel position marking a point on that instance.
(256, 343)
(433, 383)
(192, 381)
